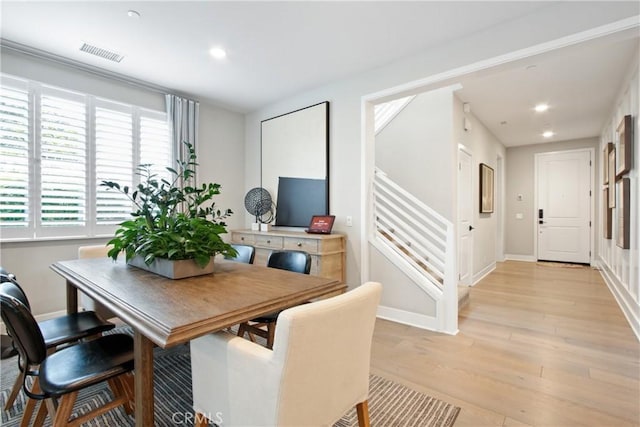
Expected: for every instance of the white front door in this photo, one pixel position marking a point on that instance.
(563, 210)
(465, 216)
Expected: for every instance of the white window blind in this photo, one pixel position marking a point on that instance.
(114, 162)
(155, 146)
(56, 148)
(63, 154)
(14, 156)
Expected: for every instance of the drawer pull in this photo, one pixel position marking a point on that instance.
(242, 238)
(268, 241)
(299, 244)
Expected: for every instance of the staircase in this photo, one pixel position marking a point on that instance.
(463, 291)
(421, 243)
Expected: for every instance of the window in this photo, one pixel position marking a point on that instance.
(114, 162)
(386, 112)
(63, 169)
(57, 146)
(14, 156)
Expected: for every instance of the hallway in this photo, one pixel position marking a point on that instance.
(539, 345)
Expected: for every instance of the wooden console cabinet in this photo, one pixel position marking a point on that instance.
(327, 250)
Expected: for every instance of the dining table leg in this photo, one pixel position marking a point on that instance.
(72, 298)
(143, 379)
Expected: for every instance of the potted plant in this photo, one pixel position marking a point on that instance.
(175, 225)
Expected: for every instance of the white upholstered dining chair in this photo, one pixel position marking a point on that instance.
(318, 368)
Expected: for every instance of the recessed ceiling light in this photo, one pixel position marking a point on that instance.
(217, 52)
(133, 14)
(548, 134)
(541, 108)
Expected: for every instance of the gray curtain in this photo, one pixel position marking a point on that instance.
(183, 117)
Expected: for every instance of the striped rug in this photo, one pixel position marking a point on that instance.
(390, 404)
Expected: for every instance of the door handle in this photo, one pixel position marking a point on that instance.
(470, 228)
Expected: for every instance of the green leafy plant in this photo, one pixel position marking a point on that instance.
(173, 220)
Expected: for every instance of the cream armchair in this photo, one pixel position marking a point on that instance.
(318, 368)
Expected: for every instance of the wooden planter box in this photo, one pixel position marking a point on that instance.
(178, 269)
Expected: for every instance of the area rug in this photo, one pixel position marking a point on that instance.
(390, 404)
(561, 264)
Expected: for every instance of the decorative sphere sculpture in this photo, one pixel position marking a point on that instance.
(258, 202)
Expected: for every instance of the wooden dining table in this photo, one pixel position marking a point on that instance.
(166, 312)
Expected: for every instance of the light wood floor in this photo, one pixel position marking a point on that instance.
(538, 345)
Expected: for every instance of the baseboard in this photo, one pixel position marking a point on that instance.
(625, 300)
(483, 273)
(408, 318)
(516, 257)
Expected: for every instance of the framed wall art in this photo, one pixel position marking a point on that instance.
(486, 189)
(625, 142)
(605, 162)
(606, 214)
(295, 147)
(623, 212)
(612, 177)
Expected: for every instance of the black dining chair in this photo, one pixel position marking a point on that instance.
(58, 331)
(6, 275)
(295, 261)
(246, 253)
(7, 349)
(59, 376)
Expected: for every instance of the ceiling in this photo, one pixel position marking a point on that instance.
(278, 49)
(579, 83)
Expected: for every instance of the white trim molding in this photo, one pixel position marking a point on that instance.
(623, 297)
(412, 319)
(518, 257)
(483, 273)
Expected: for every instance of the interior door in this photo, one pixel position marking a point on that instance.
(465, 217)
(564, 206)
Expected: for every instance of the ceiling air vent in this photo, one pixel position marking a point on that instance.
(102, 53)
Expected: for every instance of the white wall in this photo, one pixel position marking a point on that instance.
(520, 173)
(484, 148)
(414, 149)
(548, 23)
(621, 267)
(220, 154)
(65, 77)
(221, 158)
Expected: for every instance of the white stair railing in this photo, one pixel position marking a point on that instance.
(418, 240)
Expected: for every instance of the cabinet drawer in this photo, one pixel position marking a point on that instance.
(273, 242)
(327, 251)
(244, 239)
(307, 245)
